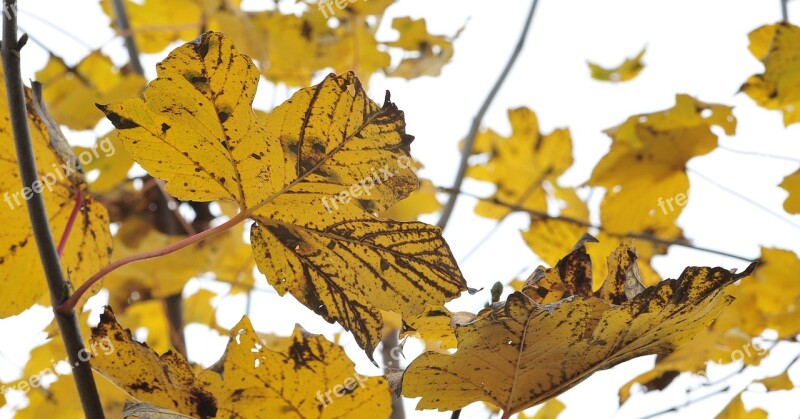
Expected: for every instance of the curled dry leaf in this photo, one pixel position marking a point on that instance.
(522, 352)
(312, 174)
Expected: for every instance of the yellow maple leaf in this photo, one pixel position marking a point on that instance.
(199, 309)
(550, 238)
(60, 400)
(781, 381)
(89, 243)
(111, 161)
(768, 299)
(430, 52)
(311, 378)
(520, 164)
(165, 380)
(311, 174)
(550, 410)
(791, 184)
(626, 71)
(71, 92)
(645, 170)
(776, 46)
(422, 201)
(433, 326)
(156, 24)
(736, 410)
(519, 353)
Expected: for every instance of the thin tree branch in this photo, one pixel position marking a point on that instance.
(759, 154)
(123, 26)
(389, 343)
(744, 198)
(646, 237)
(688, 402)
(785, 10)
(59, 288)
(447, 211)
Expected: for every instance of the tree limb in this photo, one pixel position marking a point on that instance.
(124, 27)
(58, 286)
(476, 122)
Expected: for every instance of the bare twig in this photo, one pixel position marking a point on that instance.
(59, 289)
(476, 122)
(687, 403)
(123, 26)
(388, 344)
(785, 10)
(646, 237)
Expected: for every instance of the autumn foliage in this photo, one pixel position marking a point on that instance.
(320, 196)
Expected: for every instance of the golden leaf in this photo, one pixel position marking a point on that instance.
(431, 52)
(792, 185)
(626, 71)
(312, 378)
(421, 201)
(645, 170)
(735, 410)
(89, 243)
(776, 46)
(166, 380)
(520, 164)
(60, 400)
(111, 160)
(71, 92)
(778, 382)
(156, 23)
(433, 326)
(312, 175)
(520, 353)
(551, 238)
(550, 410)
(768, 299)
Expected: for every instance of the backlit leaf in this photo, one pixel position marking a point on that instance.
(311, 174)
(520, 353)
(626, 71)
(165, 380)
(71, 92)
(89, 243)
(792, 185)
(520, 164)
(776, 46)
(645, 170)
(311, 378)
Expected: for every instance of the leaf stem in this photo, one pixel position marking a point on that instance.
(67, 320)
(447, 211)
(640, 236)
(123, 26)
(71, 222)
(73, 299)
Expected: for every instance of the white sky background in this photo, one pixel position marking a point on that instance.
(694, 47)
